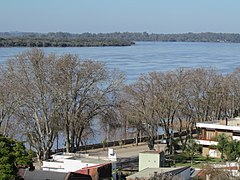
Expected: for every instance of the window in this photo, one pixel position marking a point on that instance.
(210, 135)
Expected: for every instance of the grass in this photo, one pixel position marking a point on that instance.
(182, 159)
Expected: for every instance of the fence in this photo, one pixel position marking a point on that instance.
(119, 142)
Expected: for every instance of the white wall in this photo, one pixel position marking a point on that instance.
(236, 137)
(67, 165)
(53, 166)
(206, 142)
(214, 153)
(60, 157)
(72, 165)
(149, 160)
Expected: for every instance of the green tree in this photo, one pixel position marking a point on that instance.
(12, 155)
(223, 143)
(192, 148)
(232, 150)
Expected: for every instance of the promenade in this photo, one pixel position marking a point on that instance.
(126, 151)
(127, 155)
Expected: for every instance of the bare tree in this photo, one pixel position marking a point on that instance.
(85, 90)
(153, 103)
(140, 113)
(31, 74)
(9, 101)
(176, 100)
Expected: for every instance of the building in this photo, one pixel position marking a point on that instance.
(82, 163)
(179, 173)
(103, 171)
(211, 129)
(222, 170)
(25, 174)
(151, 165)
(151, 159)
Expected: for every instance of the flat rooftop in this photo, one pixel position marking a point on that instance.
(91, 160)
(149, 172)
(85, 158)
(226, 124)
(151, 152)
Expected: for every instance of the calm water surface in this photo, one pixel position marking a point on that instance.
(144, 57)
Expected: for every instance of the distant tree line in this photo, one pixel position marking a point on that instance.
(42, 95)
(57, 42)
(62, 39)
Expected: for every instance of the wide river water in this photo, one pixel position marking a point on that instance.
(144, 57)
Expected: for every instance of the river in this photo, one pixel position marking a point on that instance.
(144, 57)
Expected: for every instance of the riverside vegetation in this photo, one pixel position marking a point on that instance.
(61, 39)
(45, 94)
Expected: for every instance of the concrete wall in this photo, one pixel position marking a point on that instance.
(124, 141)
(236, 138)
(67, 165)
(53, 166)
(149, 160)
(214, 153)
(205, 151)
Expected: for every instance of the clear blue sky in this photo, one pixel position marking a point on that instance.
(153, 16)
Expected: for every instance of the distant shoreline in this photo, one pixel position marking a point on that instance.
(60, 39)
(25, 42)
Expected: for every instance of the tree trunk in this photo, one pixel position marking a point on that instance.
(39, 159)
(79, 139)
(151, 143)
(67, 140)
(137, 136)
(46, 155)
(72, 149)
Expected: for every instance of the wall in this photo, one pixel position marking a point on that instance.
(67, 165)
(205, 151)
(71, 165)
(214, 153)
(124, 141)
(53, 166)
(149, 160)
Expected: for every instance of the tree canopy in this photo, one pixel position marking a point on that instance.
(12, 155)
(57, 94)
(229, 148)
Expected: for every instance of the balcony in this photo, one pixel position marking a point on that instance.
(207, 142)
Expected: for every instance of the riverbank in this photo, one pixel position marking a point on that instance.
(52, 42)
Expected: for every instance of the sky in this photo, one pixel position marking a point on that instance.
(102, 16)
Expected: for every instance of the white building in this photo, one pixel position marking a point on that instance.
(72, 162)
(151, 159)
(211, 129)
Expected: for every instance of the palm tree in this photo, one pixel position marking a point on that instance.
(223, 143)
(192, 148)
(233, 150)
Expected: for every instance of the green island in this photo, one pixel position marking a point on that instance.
(63, 39)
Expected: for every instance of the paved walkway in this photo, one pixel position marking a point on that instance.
(127, 155)
(126, 151)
